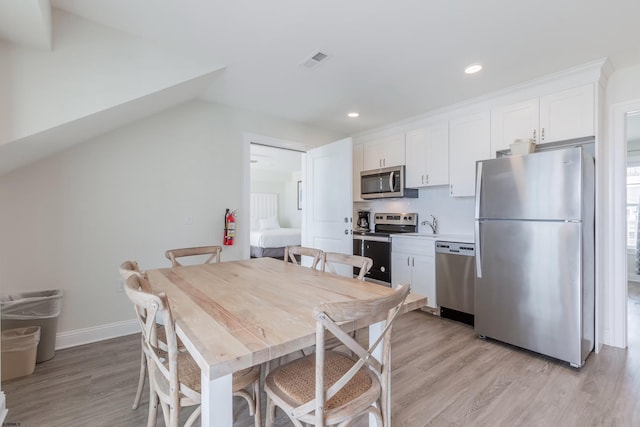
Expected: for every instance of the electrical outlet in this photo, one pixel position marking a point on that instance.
(119, 285)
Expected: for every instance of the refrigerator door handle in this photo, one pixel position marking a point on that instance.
(478, 250)
(478, 187)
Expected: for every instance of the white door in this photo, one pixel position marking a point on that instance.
(327, 198)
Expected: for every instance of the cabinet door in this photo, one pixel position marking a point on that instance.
(358, 162)
(469, 141)
(400, 268)
(567, 114)
(437, 142)
(372, 157)
(511, 122)
(384, 152)
(393, 150)
(416, 158)
(424, 278)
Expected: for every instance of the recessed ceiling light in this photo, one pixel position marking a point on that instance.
(353, 114)
(474, 68)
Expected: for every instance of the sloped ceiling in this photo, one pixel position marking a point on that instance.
(93, 79)
(26, 22)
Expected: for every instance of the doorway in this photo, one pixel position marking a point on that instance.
(275, 211)
(633, 227)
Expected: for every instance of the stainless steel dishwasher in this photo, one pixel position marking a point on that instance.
(455, 280)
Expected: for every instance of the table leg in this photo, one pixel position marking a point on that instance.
(217, 401)
(375, 330)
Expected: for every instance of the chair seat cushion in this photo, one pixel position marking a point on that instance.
(295, 381)
(189, 374)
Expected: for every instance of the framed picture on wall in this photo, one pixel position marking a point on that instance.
(299, 195)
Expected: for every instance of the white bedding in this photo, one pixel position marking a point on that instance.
(275, 238)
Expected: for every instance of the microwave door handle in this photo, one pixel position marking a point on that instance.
(392, 185)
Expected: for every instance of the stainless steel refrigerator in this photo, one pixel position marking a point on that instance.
(534, 233)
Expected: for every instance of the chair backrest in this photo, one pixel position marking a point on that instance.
(148, 308)
(127, 268)
(213, 251)
(290, 253)
(361, 262)
(328, 317)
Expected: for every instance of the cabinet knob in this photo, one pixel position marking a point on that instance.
(542, 134)
(346, 231)
(534, 135)
(427, 179)
(408, 261)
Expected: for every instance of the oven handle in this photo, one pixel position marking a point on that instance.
(372, 238)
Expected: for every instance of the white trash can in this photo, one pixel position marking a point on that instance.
(39, 308)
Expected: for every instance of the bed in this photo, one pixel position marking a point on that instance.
(267, 238)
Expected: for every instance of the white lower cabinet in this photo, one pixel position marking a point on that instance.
(413, 261)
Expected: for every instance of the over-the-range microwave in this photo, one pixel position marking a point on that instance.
(385, 183)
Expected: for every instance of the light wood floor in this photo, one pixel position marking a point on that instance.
(443, 375)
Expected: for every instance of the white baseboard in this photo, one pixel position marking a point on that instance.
(96, 333)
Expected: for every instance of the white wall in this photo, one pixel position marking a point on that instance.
(68, 221)
(624, 85)
(454, 214)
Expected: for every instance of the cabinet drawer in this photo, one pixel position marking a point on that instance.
(413, 245)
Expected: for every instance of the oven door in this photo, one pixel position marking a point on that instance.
(379, 251)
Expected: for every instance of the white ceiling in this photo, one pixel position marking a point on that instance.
(389, 60)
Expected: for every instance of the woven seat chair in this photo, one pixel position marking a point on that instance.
(331, 258)
(214, 252)
(331, 387)
(174, 377)
(290, 253)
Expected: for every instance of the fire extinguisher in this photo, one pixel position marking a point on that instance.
(229, 227)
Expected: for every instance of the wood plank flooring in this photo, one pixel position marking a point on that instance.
(443, 375)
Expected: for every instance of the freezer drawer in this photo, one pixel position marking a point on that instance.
(529, 288)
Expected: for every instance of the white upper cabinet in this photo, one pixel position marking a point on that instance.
(384, 152)
(469, 141)
(566, 114)
(511, 122)
(427, 156)
(358, 162)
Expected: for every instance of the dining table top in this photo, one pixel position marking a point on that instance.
(236, 314)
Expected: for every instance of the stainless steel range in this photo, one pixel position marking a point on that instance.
(377, 244)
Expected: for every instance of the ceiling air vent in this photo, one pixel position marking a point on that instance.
(314, 60)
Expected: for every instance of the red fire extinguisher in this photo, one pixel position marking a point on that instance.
(229, 227)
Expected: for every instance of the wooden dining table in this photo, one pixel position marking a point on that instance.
(237, 314)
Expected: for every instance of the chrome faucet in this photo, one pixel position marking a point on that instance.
(433, 224)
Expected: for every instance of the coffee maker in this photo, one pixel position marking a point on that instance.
(363, 220)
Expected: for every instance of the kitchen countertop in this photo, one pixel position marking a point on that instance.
(463, 238)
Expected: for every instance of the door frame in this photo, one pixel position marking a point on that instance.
(615, 295)
(244, 219)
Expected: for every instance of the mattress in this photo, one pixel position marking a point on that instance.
(275, 238)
